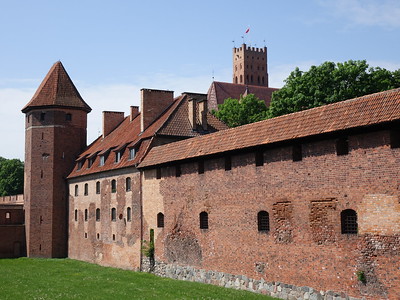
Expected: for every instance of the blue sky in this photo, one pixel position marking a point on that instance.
(112, 49)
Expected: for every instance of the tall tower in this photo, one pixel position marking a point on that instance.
(250, 66)
(55, 133)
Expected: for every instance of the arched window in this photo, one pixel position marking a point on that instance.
(241, 79)
(8, 215)
(86, 214)
(113, 214)
(86, 191)
(263, 221)
(203, 220)
(98, 187)
(97, 214)
(76, 215)
(76, 190)
(129, 214)
(113, 186)
(160, 220)
(349, 221)
(236, 81)
(128, 184)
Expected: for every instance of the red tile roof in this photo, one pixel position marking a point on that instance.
(363, 111)
(57, 90)
(174, 122)
(224, 90)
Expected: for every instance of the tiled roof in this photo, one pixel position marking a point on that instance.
(224, 90)
(57, 89)
(174, 122)
(363, 111)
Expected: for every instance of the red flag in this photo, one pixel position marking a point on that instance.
(247, 30)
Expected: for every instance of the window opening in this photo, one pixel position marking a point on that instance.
(102, 160)
(259, 158)
(86, 191)
(113, 186)
(394, 138)
(158, 173)
(160, 220)
(76, 190)
(128, 182)
(86, 214)
(97, 214)
(113, 214)
(349, 221)
(76, 215)
(128, 214)
(203, 220)
(132, 153)
(68, 117)
(263, 221)
(42, 116)
(178, 171)
(8, 215)
(98, 187)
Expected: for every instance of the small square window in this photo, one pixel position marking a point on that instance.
(68, 117)
(42, 116)
(342, 146)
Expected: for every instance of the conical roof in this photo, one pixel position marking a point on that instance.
(57, 90)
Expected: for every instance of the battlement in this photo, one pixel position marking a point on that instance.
(244, 47)
(14, 199)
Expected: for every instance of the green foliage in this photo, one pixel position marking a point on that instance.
(27, 278)
(361, 276)
(234, 112)
(11, 177)
(329, 83)
(148, 246)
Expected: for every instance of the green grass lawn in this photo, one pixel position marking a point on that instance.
(27, 278)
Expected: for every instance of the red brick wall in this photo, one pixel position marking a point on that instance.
(304, 199)
(106, 242)
(51, 147)
(153, 104)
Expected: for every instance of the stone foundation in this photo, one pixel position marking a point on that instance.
(241, 282)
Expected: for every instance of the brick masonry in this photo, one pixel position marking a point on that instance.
(304, 199)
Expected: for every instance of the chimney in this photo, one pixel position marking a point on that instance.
(202, 110)
(111, 119)
(192, 112)
(154, 103)
(134, 112)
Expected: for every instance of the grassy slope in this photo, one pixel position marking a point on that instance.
(26, 278)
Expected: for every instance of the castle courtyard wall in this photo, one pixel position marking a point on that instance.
(304, 199)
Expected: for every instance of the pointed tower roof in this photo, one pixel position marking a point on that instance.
(57, 90)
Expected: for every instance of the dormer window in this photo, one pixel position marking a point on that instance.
(132, 153)
(118, 156)
(91, 161)
(80, 164)
(102, 160)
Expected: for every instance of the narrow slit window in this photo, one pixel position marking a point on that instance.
(86, 189)
(160, 220)
(113, 186)
(76, 190)
(129, 214)
(113, 214)
(203, 220)
(97, 214)
(98, 187)
(86, 214)
(76, 215)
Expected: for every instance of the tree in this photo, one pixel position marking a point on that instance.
(248, 109)
(329, 83)
(11, 177)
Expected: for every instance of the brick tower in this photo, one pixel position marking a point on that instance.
(250, 66)
(55, 133)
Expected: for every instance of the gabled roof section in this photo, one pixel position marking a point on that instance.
(359, 112)
(57, 90)
(224, 90)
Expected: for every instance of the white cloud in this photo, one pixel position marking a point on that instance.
(385, 13)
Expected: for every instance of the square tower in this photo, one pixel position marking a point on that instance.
(250, 66)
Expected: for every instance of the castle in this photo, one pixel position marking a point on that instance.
(302, 206)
